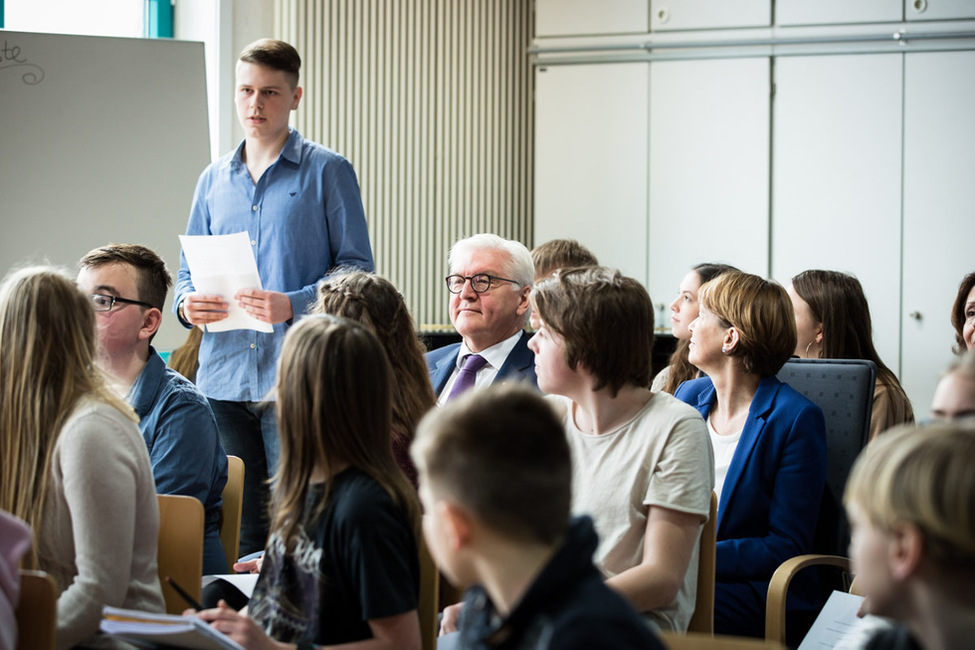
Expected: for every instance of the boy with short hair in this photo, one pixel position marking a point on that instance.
(495, 483)
(643, 466)
(558, 254)
(127, 285)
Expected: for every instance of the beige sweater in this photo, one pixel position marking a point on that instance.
(890, 408)
(101, 523)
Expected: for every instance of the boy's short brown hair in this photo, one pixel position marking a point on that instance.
(153, 278)
(500, 453)
(606, 321)
(276, 55)
(561, 254)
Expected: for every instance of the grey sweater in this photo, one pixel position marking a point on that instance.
(101, 523)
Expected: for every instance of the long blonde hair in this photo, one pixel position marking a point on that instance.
(333, 407)
(47, 352)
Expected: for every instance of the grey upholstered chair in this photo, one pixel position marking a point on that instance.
(843, 389)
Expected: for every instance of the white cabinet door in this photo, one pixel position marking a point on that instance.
(591, 160)
(939, 220)
(833, 12)
(709, 165)
(586, 18)
(836, 177)
(938, 9)
(668, 15)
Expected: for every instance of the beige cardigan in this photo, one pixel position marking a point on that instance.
(101, 523)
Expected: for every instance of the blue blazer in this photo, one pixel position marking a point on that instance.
(771, 495)
(519, 366)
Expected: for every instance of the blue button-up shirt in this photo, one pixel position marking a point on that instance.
(184, 446)
(304, 218)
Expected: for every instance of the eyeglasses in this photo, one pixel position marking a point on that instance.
(104, 302)
(479, 283)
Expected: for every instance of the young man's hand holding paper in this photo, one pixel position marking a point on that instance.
(224, 266)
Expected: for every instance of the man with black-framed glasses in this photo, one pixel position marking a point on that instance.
(127, 286)
(489, 282)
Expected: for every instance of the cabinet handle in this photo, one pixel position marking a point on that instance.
(916, 315)
(920, 5)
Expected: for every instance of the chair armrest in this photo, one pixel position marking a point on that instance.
(779, 586)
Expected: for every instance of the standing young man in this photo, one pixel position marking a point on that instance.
(299, 203)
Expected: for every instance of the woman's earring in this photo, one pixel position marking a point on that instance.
(808, 345)
(725, 349)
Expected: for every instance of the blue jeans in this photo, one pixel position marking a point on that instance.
(249, 430)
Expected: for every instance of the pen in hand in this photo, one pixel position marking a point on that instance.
(185, 596)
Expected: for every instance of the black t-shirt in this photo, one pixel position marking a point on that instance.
(356, 562)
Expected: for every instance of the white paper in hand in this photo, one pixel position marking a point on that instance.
(837, 620)
(222, 265)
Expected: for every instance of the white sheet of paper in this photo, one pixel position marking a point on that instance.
(222, 265)
(838, 619)
(243, 581)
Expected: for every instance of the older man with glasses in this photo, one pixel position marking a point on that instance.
(489, 283)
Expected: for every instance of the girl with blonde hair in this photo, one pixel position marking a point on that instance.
(341, 565)
(73, 464)
(911, 501)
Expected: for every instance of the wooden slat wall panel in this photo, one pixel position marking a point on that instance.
(431, 101)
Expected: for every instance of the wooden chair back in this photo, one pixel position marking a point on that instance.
(233, 500)
(703, 619)
(37, 611)
(429, 597)
(180, 548)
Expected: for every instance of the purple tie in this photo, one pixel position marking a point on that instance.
(467, 375)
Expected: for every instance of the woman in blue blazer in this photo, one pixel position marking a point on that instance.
(769, 443)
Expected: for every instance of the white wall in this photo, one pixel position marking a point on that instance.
(225, 27)
(103, 144)
(815, 163)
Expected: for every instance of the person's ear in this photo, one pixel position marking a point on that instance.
(457, 524)
(731, 340)
(525, 301)
(906, 550)
(296, 98)
(151, 320)
(819, 334)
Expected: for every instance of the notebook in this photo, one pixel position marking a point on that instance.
(170, 630)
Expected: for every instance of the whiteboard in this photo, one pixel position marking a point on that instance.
(101, 140)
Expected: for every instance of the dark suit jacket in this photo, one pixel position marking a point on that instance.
(771, 495)
(519, 366)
